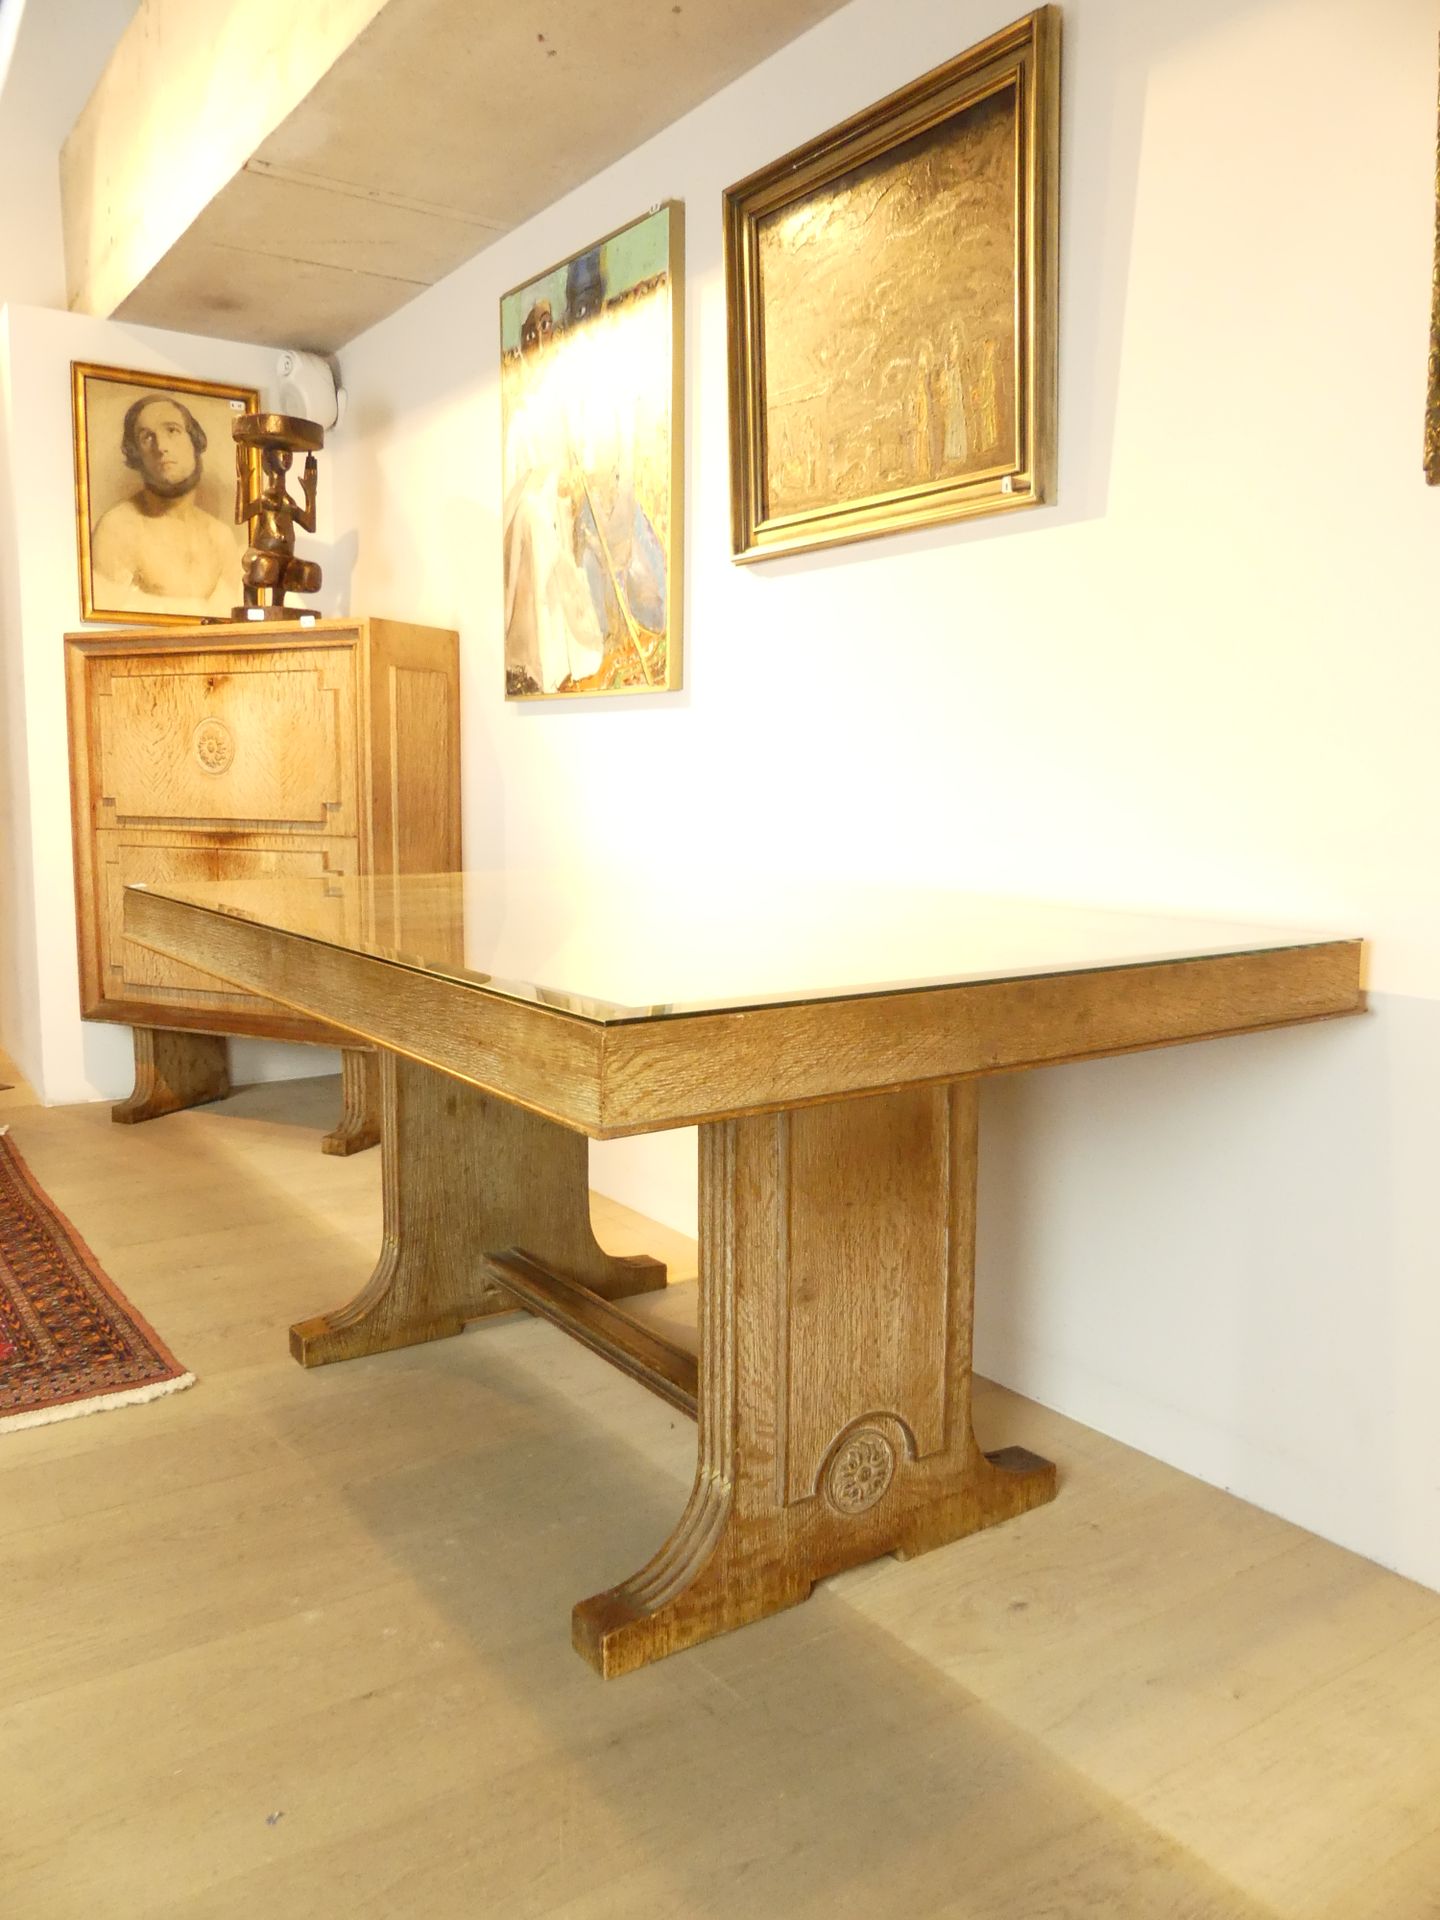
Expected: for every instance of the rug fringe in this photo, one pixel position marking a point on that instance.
(101, 1403)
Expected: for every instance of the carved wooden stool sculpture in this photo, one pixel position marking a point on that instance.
(265, 444)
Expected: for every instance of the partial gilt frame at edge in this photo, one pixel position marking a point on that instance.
(1432, 393)
(1029, 52)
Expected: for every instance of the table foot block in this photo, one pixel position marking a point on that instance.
(360, 1125)
(1007, 1483)
(720, 1570)
(634, 1273)
(346, 1139)
(330, 1336)
(667, 1609)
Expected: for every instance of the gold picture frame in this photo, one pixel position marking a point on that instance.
(892, 304)
(592, 449)
(155, 506)
(1432, 392)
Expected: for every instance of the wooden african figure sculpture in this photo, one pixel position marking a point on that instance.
(268, 442)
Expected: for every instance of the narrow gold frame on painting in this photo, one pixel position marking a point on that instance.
(675, 561)
(1432, 395)
(82, 372)
(1026, 54)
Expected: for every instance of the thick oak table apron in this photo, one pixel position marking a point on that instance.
(837, 1223)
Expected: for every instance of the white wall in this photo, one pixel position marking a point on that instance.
(63, 1057)
(1205, 679)
(50, 55)
(58, 49)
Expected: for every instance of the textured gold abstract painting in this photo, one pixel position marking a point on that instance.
(881, 376)
(892, 308)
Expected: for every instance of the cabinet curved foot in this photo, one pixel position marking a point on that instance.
(173, 1070)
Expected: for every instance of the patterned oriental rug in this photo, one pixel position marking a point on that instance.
(70, 1343)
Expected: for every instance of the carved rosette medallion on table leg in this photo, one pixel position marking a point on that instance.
(837, 1293)
(465, 1175)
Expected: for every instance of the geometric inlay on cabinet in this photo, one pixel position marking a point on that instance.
(232, 752)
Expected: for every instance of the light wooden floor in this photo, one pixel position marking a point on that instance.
(290, 1646)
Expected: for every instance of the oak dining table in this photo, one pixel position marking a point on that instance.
(828, 1043)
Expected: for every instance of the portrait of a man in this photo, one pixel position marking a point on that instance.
(155, 496)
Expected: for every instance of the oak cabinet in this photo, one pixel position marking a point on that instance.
(236, 751)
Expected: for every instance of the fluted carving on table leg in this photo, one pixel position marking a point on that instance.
(695, 1586)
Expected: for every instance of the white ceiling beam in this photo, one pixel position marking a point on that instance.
(292, 175)
(193, 88)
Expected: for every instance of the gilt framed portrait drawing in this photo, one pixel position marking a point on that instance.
(591, 422)
(155, 495)
(892, 309)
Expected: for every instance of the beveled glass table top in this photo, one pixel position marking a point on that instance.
(610, 949)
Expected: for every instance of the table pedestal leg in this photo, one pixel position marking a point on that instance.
(359, 1126)
(836, 1306)
(464, 1175)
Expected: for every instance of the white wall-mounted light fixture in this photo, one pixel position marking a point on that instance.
(309, 387)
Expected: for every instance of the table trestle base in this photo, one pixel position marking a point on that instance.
(832, 1389)
(464, 1171)
(836, 1309)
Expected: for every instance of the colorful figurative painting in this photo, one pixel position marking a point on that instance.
(591, 426)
